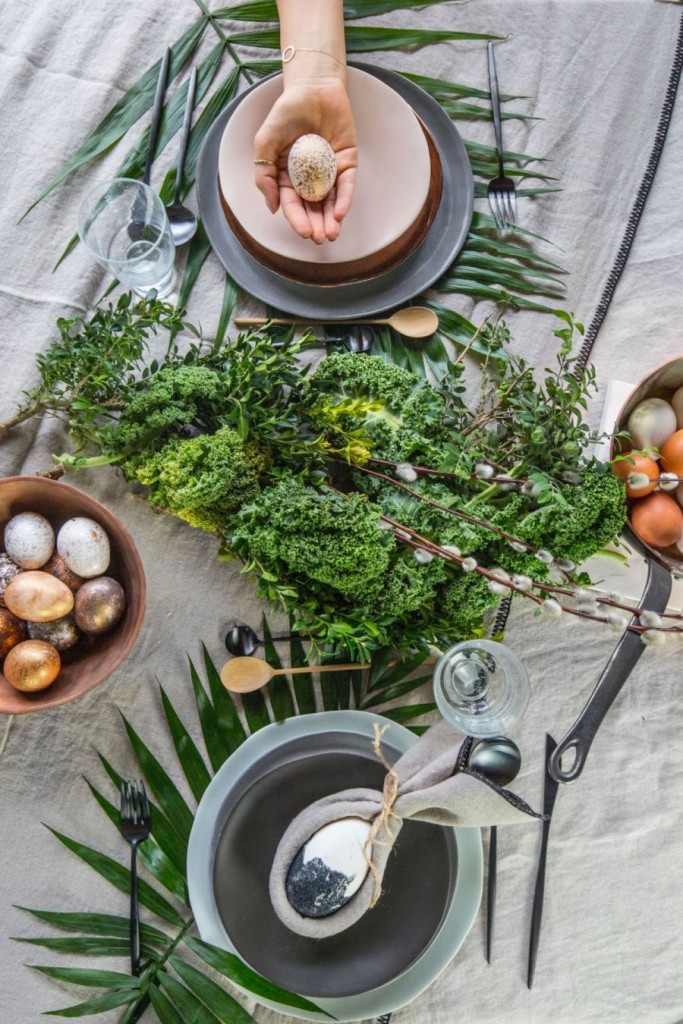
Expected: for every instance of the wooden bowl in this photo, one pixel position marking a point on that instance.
(661, 382)
(92, 660)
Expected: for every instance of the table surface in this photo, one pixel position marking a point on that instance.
(594, 72)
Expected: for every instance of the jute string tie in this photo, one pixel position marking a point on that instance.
(381, 823)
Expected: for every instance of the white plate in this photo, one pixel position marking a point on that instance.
(208, 826)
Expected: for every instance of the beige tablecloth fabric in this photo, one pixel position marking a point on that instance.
(595, 72)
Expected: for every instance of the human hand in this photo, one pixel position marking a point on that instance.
(320, 107)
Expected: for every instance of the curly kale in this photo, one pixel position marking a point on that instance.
(203, 480)
(381, 407)
(462, 602)
(328, 537)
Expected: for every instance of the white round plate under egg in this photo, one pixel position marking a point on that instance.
(206, 830)
(392, 182)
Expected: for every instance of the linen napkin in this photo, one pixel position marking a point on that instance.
(422, 786)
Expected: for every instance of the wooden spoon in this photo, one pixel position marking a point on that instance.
(243, 675)
(412, 321)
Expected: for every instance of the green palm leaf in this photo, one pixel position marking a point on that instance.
(394, 692)
(163, 832)
(91, 978)
(304, 690)
(231, 729)
(161, 784)
(105, 925)
(211, 733)
(230, 292)
(132, 105)
(405, 714)
(89, 946)
(166, 1012)
(97, 1005)
(440, 89)
(278, 690)
(186, 1002)
(255, 710)
(227, 1009)
(232, 968)
(364, 38)
(191, 761)
(120, 878)
(149, 854)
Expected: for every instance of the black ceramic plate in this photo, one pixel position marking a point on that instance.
(418, 883)
(417, 272)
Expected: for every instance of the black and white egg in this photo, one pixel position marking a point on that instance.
(330, 868)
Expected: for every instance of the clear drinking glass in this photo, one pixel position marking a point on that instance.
(124, 225)
(481, 687)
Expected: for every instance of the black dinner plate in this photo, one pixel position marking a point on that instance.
(417, 889)
(413, 275)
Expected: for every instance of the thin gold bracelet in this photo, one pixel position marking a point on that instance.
(290, 52)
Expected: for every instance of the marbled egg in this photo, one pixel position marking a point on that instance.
(29, 540)
(58, 568)
(84, 546)
(99, 604)
(61, 633)
(329, 869)
(38, 597)
(8, 570)
(12, 631)
(31, 665)
(312, 167)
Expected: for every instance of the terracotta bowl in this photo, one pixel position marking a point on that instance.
(659, 383)
(90, 662)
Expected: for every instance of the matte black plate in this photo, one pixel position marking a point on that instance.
(413, 275)
(418, 883)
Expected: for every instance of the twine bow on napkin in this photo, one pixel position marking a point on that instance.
(420, 786)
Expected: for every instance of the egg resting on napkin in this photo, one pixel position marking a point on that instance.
(422, 786)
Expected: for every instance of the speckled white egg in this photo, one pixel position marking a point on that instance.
(84, 546)
(29, 540)
(651, 423)
(330, 868)
(312, 167)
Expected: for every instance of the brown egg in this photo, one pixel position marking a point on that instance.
(658, 520)
(38, 597)
(12, 631)
(58, 568)
(61, 633)
(99, 605)
(32, 665)
(671, 453)
(633, 463)
(8, 571)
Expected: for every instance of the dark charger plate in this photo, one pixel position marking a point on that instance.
(430, 259)
(418, 884)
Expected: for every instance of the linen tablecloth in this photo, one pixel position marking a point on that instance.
(594, 72)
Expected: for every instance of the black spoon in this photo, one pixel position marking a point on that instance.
(499, 759)
(241, 640)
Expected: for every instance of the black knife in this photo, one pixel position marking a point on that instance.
(549, 793)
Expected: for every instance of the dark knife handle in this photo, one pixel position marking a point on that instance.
(491, 890)
(549, 796)
(156, 115)
(185, 133)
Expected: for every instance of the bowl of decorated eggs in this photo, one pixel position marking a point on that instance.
(648, 456)
(72, 593)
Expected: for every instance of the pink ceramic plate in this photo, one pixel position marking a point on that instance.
(392, 185)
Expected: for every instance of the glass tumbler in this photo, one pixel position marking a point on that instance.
(481, 687)
(124, 225)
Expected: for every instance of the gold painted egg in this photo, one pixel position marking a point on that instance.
(99, 605)
(12, 631)
(38, 597)
(32, 665)
(312, 167)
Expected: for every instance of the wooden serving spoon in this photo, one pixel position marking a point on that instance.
(412, 322)
(243, 675)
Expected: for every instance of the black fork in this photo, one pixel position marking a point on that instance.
(135, 825)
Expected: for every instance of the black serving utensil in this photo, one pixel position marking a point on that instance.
(549, 794)
(241, 640)
(136, 226)
(624, 657)
(498, 759)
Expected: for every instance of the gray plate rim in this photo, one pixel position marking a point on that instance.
(206, 832)
(414, 275)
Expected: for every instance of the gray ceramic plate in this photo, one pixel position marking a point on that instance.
(432, 888)
(417, 272)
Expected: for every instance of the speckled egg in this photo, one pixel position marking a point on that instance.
(330, 868)
(8, 571)
(312, 167)
(38, 597)
(84, 546)
(29, 540)
(12, 631)
(32, 665)
(61, 633)
(58, 568)
(99, 604)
